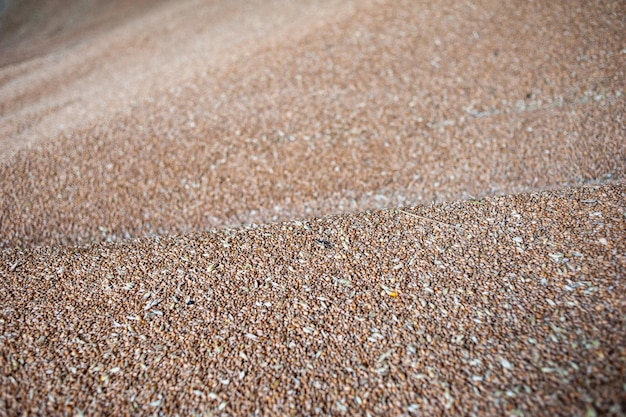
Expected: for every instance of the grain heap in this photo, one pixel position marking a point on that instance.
(322, 207)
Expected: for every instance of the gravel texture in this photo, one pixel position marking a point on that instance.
(314, 207)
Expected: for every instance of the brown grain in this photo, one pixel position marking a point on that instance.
(293, 208)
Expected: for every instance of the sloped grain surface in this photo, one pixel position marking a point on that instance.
(200, 210)
(498, 306)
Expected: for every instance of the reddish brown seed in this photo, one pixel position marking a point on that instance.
(225, 208)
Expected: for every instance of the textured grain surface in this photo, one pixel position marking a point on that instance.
(381, 312)
(226, 207)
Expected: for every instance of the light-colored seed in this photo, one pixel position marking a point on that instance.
(506, 364)
(152, 303)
